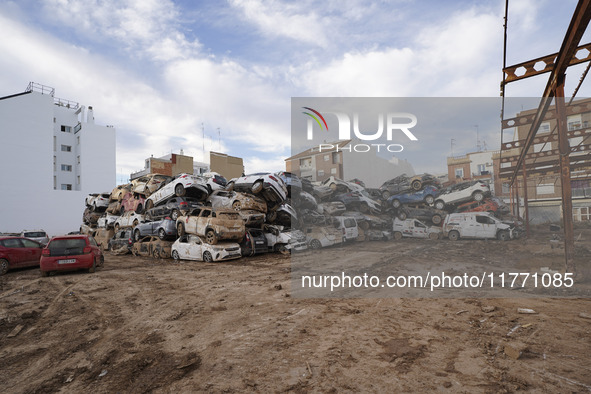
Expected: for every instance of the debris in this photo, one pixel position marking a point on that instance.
(526, 325)
(309, 369)
(103, 373)
(526, 311)
(515, 350)
(511, 331)
(69, 379)
(462, 311)
(15, 331)
(278, 287)
(585, 315)
(488, 309)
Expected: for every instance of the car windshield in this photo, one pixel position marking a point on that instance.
(67, 247)
(35, 234)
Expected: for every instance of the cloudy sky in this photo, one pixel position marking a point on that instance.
(161, 71)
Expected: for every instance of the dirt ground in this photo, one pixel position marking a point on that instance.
(146, 325)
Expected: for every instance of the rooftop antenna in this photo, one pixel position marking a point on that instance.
(219, 140)
(452, 147)
(478, 144)
(203, 140)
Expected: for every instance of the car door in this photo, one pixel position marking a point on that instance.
(17, 252)
(485, 227)
(183, 248)
(31, 252)
(419, 230)
(195, 246)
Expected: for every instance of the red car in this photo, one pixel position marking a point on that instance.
(479, 206)
(132, 202)
(71, 252)
(18, 252)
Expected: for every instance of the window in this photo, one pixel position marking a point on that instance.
(484, 220)
(326, 157)
(544, 128)
(54, 143)
(54, 164)
(307, 162)
(66, 186)
(574, 122)
(78, 180)
(66, 129)
(78, 140)
(333, 170)
(547, 188)
(320, 172)
(335, 158)
(66, 148)
(78, 159)
(66, 167)
(481, 168)
(54, 182)
(459, 172)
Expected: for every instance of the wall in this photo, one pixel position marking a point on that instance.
(227, 166)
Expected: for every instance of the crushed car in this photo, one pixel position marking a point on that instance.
(213, 224)
(132, 202)
(151, 246)
(359, 199)
(268, 185)
(254, 242)
(182, 185)
(414, 228)
(191, 247)
(283, 240)
(128, 219)
(433, 215)
(164, 228)
(121, 239)
(236, 201)
(173, 207)
(461, 192)
(148, 184)
(323, 236)
(97, 202)
(427, 195)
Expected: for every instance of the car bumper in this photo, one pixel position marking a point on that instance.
(66, 263)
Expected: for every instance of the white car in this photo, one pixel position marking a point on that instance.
(191, 247)
(284, 241)
(182, 185)
(98, 200)
(477, 225)
(128, 219)
(215, 181)
(270, 186)
(323, 236)
(107, 220)
(36, 235)
(236, 201)
(348, 226)
(415, 229)
(464, 191)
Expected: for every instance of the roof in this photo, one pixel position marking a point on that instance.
(314, 150)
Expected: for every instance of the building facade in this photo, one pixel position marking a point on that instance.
(170, 165)
(52, 156)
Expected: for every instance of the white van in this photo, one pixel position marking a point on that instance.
(476, 225)
(347, 226)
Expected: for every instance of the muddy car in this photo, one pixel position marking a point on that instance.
(128, 219)
(191, 247)
(236, 201)
(268, 185)
(173, 208)
(132, 202)
(213, 224)
(121, 239)
(107, 220)
(464, 191)
(404, 183)
(433, 215)
(214, 181)
(114, 208)
(254, 242)
(414, 228)
(90, 217)
(304, 200)
(97, 202)
(283, 215)
(323, 236)
(426, 195)
(152, 246)
(182, 185)
(332, 208)
(119, 191)
(290, 180)
(359, 200)
(285, 241)
(252, 218)
(148, 184)
(165, 228)
(340, 186)
(103, 236)
(486, 205)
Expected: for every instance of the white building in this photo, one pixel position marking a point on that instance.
(52, 156)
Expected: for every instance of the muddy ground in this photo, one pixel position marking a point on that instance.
(145, 325)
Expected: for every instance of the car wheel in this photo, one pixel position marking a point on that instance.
(102, 261)
(453, 235)
(236, 205)
(175, 255)
(386, 194)
(3, 266)
(397, 235)
(149, 204)
(161, 233)
(230, 186)
(257, 187)
(207, 257)
(135, 223)
(434, 236)
(363, 208)
(503, 235)
(315, 244)
(396, 203)
(478, 196)
(139, 208)
(44, 274)
(436, 219)
(283, 250)
(136, 235)
(179, 190)
(180, 229)
(402, 215)
(439, 205)
(416, 185)
(92, 269)
(429, 199)
(210, 237)
(116, 227)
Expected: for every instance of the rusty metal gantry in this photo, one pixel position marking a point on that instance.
(556, 64)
